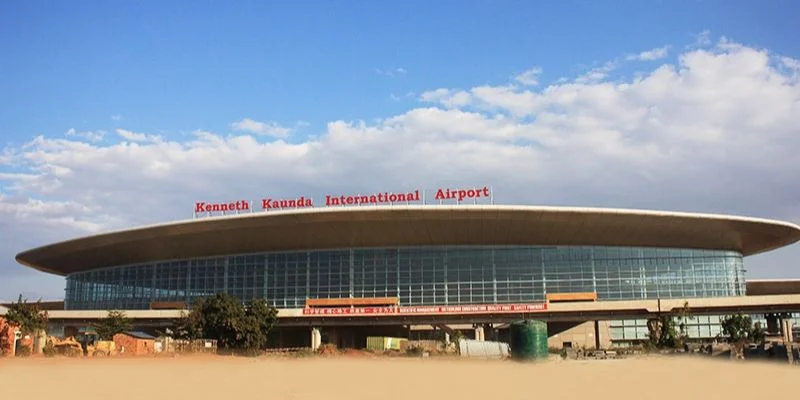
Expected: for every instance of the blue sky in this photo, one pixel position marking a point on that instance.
(177, 66)
(115, 114)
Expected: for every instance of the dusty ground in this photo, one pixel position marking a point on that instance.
(223, 378)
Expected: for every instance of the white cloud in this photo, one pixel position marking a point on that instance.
(714, 131)
(529, 77)
(791, 63)
(650, 55)
(138, 137)
(391, 72)
(791, 66)
(261, 128)
(448, 98)
(92, 136)
(597, 74)
(116, 117)
(703, 38)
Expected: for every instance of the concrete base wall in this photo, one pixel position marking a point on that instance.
(342, 337)
(579, 334)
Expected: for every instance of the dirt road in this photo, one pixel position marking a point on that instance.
(222, 378)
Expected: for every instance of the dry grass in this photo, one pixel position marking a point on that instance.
(223, 378)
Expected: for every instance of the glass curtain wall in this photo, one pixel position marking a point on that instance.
(418, 276)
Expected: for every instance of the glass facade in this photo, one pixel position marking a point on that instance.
(706, 327)
(418, 276)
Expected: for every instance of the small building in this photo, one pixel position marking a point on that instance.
(8, 335)
(134, 343)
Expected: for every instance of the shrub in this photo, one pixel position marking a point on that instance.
(23, 351)
(415, 351)
(49, 350)
(328, 349)
(306, 352)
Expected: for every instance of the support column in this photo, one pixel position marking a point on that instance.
(316, 339)
(479, 334)
(786, 333)
(492, 332)
(772, 323)
(597, 335)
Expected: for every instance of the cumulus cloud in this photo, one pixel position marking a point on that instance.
(138, 137)
(650, 55)
(703, 38)
(529, 77)
(713, 131)
(391, 72)
(447, 97)
(92, 136)
(261, 128)
(598, 74)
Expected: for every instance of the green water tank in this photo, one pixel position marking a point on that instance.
(529, 340)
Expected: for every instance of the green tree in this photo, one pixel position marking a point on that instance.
(29, 317)
(455, 339)
(759, 333)
(259, 319)
(668, 330)
(234, 325)
(187, 327)
(738, 330)
(116, 322)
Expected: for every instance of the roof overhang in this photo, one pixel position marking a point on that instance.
(427, 225)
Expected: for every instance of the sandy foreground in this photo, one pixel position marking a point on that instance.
(390, 378)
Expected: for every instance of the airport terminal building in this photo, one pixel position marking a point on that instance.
(442, 252)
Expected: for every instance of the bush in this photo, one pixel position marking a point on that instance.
(328, 349)
(23, 351)
(49, 350)
(4, 344)
(306, 352)
(415, 351)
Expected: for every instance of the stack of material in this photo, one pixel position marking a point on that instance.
(382, 343)
(483, 349)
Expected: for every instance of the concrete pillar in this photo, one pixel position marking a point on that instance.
(772, 323)
(597, 343)
(479, 333)
(489, 332)
(786, 333)
(316, 339)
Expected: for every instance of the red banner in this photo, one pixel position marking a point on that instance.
(428, 310)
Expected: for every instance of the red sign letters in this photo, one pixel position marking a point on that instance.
(413, 196)
(241, 205)
(428, 310)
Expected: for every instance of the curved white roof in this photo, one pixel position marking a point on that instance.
(422, 225)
